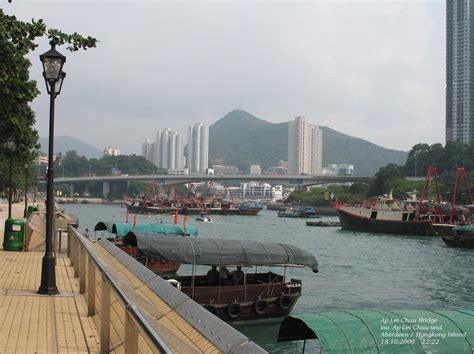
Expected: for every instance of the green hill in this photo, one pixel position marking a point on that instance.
(240, 139)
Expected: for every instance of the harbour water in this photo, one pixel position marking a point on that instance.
(357, 270)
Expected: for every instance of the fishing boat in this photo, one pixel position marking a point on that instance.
(297, 211)
(253, 295)
(410, 216)
(123, 235)
(249, 208)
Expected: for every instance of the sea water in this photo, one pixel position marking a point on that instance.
(356, 270)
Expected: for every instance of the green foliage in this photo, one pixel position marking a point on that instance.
(17, 91)
(320, 196)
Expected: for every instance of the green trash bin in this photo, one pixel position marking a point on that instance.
(31, 209)
(14, 235)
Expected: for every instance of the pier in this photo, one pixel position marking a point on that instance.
(108, 302)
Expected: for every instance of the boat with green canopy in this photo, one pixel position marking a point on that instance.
(122, 229)
(463, 237)
(124, 238)
(373, 331)
(237, 296)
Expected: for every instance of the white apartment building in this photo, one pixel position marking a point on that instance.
(225, 170)
(304, 147)
(169, 150)
(255, 170)
(198, 148)
(111, 151)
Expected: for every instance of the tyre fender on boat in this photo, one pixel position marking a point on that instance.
(163, 261)
(211, 308)
(175, 283)
(284, 301)
(234, 309)
(260, 307)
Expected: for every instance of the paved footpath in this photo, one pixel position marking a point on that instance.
(33, 323)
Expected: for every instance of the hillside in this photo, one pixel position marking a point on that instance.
(66, 143)
(241, 139)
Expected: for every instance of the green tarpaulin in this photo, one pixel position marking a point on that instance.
(371, 331)
(121, 229)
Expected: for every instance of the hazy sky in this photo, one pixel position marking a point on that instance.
(374, 70)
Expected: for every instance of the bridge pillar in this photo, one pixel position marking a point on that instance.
(71, 189)
(105, 189)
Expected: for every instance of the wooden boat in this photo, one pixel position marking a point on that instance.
(258, 295)
(249, 208)
(462, 237)
(123, 235)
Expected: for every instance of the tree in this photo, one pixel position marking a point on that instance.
(17, 91)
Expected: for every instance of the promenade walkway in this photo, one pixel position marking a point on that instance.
(33, 323)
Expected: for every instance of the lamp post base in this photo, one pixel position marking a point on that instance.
(48, 276)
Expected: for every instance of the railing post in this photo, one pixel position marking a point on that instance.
(72, 256)
(82, 269)
(104, 316)
(69, 238)
(131, 334)
(77, 250)
(90, 287)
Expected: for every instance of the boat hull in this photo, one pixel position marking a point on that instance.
(363, 224)
(236, 303)
(461, 242)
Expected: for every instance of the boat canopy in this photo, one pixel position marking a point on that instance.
(464, 228)
(371, 331)
(225, 252)
(122, 229)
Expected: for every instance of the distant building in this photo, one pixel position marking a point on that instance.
(169, 150)
(198, 148)
(460, 71)
(225, 170)
(281, 169)
(255, 190)
(343, 169)
(277, 192)
(42, 158)
(178, 172)
(255, 170)
(304, 147)
(148, 150)
(111, 151)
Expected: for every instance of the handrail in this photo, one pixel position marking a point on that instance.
(130, 307)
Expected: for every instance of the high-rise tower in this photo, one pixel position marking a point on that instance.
(198, 148)
(169, 151)
(304, 147)
(459, 71)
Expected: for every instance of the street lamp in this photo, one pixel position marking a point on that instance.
(53, 62)
(11, 146)
(26, 189)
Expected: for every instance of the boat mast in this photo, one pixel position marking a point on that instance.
(459, 171)
(431, 170)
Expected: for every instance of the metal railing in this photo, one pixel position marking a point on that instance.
(86, 262)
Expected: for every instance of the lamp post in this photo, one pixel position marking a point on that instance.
(11, 146)
(53, 62)
(26, 189)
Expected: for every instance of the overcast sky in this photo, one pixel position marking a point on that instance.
(374, 70)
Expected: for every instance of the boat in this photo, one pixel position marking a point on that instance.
(204, 218)
(411, 216)
(255, 295)
(297, 211)
(123, 235)
(249, 208)
(463, 237)
(215, 206)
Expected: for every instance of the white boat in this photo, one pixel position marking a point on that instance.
(204, 218)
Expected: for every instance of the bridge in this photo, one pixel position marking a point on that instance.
(285, 180)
